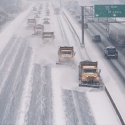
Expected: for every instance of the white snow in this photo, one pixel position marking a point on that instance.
(108, 78)
(99, 114)
(12, 27)
(67, 78)
(26, 96)
(5, 36)
(58, 108)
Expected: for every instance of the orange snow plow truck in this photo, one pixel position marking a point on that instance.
(66, 54)
(89, 74)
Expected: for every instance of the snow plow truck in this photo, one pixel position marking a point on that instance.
(89, 74)
(66, 55)
(57, 11)
(31, 22)
(38, 29)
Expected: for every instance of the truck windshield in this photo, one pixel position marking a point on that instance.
(112, 50)
(89, 70)
(65, 52)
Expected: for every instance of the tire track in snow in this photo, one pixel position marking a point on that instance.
(40, 110)
(11, 94)
(7, 50)
(26, 96)
(8, 61)
(77, 109)
(85, 114)
(70, 110)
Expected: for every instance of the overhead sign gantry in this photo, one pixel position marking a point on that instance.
(109, 10)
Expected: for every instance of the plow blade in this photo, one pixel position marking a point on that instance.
(92, 85)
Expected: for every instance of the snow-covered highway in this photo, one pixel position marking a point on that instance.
(34, 90)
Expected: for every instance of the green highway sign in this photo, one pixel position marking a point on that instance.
(109, 10)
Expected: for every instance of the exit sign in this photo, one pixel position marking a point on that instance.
(109, 10)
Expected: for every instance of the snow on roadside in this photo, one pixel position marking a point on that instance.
(26, 96)
(9, 31)
(58, 108)
(102, 117)
(110, 78)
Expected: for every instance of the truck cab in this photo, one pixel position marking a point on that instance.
(89, 75)
(111, 52)
(66, 54)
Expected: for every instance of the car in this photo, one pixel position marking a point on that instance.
(46, 22)
(96, 38)
(85, 25)
(90, 20)
(105, 22)
(111, 52)
(37, 16)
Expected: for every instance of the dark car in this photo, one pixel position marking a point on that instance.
(111, 52)
(96, 38)
(85, 25)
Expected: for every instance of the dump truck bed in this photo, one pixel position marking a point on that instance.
(88, 63)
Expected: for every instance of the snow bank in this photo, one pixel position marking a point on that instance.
(9, 31)
(59, 115)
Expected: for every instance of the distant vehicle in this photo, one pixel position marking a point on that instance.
(111, 52)
(66, 55)
(72, 11)
(85, 25)
(80, 21)
(48, 36)
(39, 12)
(40, 7)
(96, 38)
(90, 20)
(38, 28)
(34, 9)
(105, 22)
(57, 11)
(46, 18)
(117, 34)
(46, 22)
(89, 75)
(47, 12)
(72, 5)
(48, 33)
(31, 22)
(37, 16)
